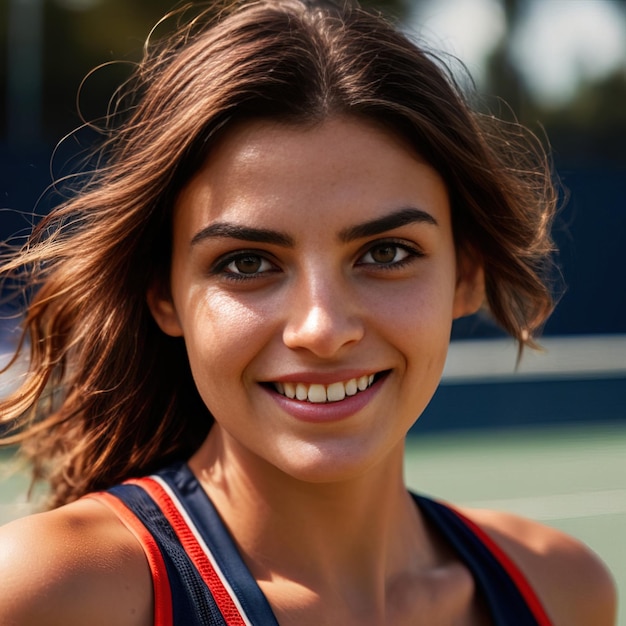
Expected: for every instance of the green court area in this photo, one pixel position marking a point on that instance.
(570, 477)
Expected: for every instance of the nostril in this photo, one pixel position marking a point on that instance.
(322, 331)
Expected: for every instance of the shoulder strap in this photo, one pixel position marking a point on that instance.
(509, 595)
(199, 514)
(191, 586)
(161, 588)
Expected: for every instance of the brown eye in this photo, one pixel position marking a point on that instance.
(249, 264)
(384, 254)
(389, 255)
(242, 265)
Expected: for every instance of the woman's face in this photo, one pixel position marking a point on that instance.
(314, 280)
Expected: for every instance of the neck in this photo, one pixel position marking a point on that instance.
(362, 532)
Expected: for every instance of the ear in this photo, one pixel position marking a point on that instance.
(163, 310)
(469, 293)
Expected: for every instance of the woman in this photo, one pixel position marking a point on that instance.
(251, 300)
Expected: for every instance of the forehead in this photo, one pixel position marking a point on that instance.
(343, 166)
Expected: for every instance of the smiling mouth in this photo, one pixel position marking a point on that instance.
(321, 394)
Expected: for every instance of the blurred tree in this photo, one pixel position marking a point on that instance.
(503, 75)
(591, 130)
(77, 41)
(75, 37)
(591, 127)
(79, 35)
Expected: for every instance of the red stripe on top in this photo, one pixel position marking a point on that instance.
(194, 550)
(518, 578)
(163, 614)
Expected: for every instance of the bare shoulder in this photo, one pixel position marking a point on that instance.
(572, 582)
(75, 565)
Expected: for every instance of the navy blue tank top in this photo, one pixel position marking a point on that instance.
(200, 578)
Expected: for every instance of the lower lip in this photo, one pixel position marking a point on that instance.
(325, 412)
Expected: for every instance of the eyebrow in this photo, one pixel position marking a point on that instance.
(245, 233)
(373, 227)
(402, 217)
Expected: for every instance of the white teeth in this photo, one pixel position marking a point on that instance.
(335, 392)
(318, 394)
(301, 391)
(351, 387)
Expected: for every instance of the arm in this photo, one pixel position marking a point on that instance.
(74, 566)
(573, 584)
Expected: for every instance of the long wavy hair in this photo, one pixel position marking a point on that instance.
(107, 395)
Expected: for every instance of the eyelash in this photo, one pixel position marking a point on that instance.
(221, 267)
(412, 253)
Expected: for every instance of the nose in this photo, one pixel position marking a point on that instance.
(323, 317)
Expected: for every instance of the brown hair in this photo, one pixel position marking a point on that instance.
(107, 394)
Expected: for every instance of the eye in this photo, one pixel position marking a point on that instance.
(244, 265)
(388, 254)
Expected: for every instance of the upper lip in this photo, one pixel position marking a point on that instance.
(324, 378)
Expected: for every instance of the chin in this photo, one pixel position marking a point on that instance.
(336, 461)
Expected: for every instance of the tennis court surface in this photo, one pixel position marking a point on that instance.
(569, 477)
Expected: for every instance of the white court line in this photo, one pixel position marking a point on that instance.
(560, 506)
(578, 356)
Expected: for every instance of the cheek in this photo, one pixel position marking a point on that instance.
(419, 320)
(425, 304)
(222, 335)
